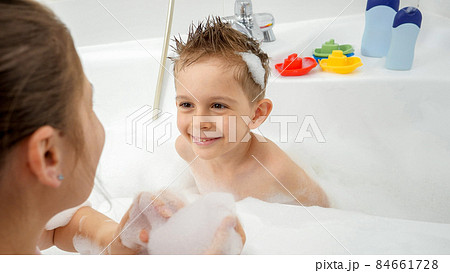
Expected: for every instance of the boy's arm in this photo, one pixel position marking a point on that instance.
(308, 192)
(295, 179)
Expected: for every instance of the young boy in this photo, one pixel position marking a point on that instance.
(221, 76)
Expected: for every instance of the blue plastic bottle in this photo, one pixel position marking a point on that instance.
(377, 31)
(405, 30)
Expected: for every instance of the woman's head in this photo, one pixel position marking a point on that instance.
(46, 115)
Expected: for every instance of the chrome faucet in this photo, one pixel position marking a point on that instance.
(258, 25)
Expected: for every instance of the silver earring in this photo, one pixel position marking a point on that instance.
(60, 177)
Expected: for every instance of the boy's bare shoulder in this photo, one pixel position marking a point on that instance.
(183, 149)
(277, 162)
(272, 155)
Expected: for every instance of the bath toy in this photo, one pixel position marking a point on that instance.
(295, 66)
(405, 30)
(377, 31)
(329, 46)
(320, 58)
(339, 63)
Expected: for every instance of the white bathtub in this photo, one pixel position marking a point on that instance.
(384, 164)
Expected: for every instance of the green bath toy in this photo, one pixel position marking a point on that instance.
(328, 47)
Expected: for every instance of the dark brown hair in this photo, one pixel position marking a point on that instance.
(40, 74)
(215, 38)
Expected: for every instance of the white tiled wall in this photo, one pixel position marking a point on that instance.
(92, 24)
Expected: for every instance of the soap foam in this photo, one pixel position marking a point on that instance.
(141, 216)
(85, 246)
(255, 67)
(193, 228)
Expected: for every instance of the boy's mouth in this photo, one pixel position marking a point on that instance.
(204, 140)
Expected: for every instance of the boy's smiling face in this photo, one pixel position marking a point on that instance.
(208, 95)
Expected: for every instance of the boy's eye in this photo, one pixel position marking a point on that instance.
(185, 104)
(218, 105)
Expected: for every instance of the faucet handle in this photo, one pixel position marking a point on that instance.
(265, 21)
(254, 32)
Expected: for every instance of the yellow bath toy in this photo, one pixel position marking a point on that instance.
(339, 63)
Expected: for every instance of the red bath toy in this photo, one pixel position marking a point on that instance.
(295, 66)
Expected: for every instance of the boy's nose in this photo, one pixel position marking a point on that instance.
(202, 119)
(206, 125)
(200, 129)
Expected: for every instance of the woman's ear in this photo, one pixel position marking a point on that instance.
(43, 156)
(262, 111)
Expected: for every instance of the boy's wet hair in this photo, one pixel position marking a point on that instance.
(216, 38)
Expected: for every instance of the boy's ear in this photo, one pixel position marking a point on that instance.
(43, 156)
(262, 111)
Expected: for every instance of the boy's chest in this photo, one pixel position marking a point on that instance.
(251, 181)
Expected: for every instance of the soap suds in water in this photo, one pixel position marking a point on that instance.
(255, 67)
